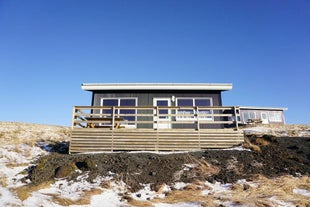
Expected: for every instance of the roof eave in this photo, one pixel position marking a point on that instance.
(264, 108)
(156, 86)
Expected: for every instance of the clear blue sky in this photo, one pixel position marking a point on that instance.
(49, 47)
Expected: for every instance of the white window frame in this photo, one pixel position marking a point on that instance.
(193, 118)
(275, 116)
(118, 110)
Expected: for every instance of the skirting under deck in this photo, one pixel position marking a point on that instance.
(87, 140)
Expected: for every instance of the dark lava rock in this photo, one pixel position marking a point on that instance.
(65, 170)
(280, 157)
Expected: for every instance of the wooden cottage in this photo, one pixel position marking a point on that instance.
(154, 116)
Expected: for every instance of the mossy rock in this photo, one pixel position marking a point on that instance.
(86, 165)
(65, 171)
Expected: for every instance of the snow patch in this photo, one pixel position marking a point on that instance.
(215, 188)
(180, 185)
(178, 205)
(237, 148)
(301, 192)
(109, 198)
(73, 190)
(252, 130)
(7, 198)
(280, 203)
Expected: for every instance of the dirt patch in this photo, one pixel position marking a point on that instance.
(275, 157)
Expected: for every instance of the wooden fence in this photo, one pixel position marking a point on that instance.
(97, 129)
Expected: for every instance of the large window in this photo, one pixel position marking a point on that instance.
(120, 102)
(275, 116)
(188, 113)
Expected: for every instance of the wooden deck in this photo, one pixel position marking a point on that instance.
(94, 131)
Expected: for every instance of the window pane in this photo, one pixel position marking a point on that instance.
(275, 116)
(128, 118)
(162, 103)
(245, 117)
(110, 102)
(205, 103)
(278, 116)
(185, 102)
(127, 102)
(202, 102)
(252, 115)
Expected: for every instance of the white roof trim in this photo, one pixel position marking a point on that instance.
(156, 86)
(263, 108)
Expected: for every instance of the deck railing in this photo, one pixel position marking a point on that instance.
(157, 117)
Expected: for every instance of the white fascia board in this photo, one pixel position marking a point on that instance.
(156, 86)
(263, 108)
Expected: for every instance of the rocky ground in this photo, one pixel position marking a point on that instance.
(269, 156)
(270, 169)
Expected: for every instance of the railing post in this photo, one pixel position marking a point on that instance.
(197, 118)
(236, 118)
(113, 117)
(73, 117)
(157, 117)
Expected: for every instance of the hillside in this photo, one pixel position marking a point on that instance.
(271, 169)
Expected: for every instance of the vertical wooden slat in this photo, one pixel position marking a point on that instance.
(236, 118)
(197, 118)
(157, 129)
(113, 117)
(73, 117)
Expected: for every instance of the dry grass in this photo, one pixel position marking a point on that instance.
(83, 201)
(206, 168)
(247, 144)
(281, 188)
(24, 133)
(178, 196)
(140, 203)
(188, 196)
(262, 141)
(25, 191)
(263, 192)
(3, 182)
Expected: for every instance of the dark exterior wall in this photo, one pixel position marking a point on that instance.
(145, 98)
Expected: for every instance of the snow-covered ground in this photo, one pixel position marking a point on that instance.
(19, 147)
(279, 131)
